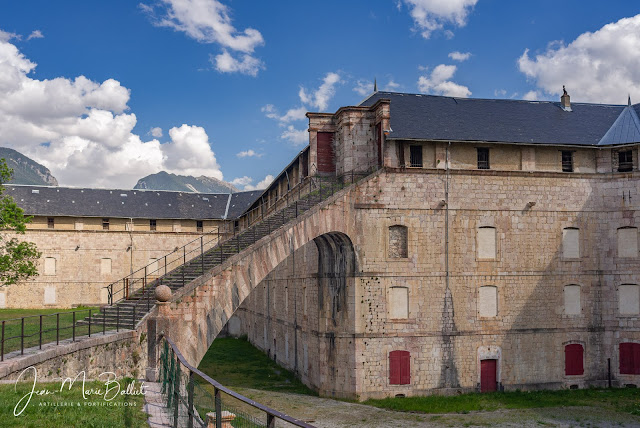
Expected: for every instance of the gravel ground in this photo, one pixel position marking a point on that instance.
(327, 413)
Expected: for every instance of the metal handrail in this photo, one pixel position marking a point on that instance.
(288, 200)
(272, 414)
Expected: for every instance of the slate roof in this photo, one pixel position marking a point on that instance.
(430, 117)
(153, 204)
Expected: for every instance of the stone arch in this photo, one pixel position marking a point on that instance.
(198, 312)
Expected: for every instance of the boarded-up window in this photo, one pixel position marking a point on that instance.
(488, 301)
(49, 266)
(486, 241)
(573, 359)
(627, 242)
(399, 368)
(629, 299)
(105, 266)
(630, 358)
(177, 226)
(399, 303)
(572, 304)
(78, 225)
(49, 295)
(571, 243)
(3, 300)
(398, 242)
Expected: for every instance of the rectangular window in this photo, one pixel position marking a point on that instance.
(152, 225)
(50, 223)
(573, 360)
(198, 225)
(630, 358)
(50, 295)
(571, 243)
(415, 156)
(128, 226)
(625, 160)
(399, 368)
(486, 243)
(627, 242)
(567, 161)
(78, 225)
(49, 266)
(398, 247)
(105, 224)
(488, 301)
(399, 303)
(572, 304)
(483, 158)
(629, 299)
(105, 266)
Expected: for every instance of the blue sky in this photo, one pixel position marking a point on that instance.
(218, 79)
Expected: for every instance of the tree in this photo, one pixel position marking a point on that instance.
(18, 259)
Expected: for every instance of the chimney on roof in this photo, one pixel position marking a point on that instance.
(375, 85)
(565, 100)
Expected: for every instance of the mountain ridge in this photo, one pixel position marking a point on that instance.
(184, 183)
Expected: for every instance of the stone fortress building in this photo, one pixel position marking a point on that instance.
(495, 247)
(92, 237)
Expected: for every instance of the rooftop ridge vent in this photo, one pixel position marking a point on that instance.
(124, 195)
(35, 191)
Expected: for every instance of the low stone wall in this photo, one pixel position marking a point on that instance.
(123, 353)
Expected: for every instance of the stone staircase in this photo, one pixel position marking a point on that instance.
(127, 312)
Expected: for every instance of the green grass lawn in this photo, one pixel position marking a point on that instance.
(622, 400)
(13, 326)
(68, 408)
(235, 363)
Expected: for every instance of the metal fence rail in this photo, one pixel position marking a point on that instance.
(193, 399)
(36, 330)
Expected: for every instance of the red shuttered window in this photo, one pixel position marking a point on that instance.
(573, 360)
(399, 368)
(630, 358)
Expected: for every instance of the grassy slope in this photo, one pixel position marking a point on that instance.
(40, 412)
(13, 326)
(235, 363)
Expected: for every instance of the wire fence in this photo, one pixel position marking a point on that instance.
(193, 399)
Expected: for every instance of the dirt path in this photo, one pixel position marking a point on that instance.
(327, 413)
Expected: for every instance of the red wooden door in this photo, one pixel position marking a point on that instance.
(488, 375)
(399, 368)
(326, 155)
(573, 358)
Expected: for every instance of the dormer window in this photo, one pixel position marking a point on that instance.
(415, 156)
(483, 158)
(567, 161)
(50, 223)
(625, 161)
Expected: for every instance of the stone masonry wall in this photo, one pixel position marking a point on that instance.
(444, 331)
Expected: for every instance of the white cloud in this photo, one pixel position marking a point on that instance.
(439, 82)
(242, 181)
(363, 87)
(249, 154)
(603, 66)
(227, 63)
(82, 130)
(245, 182)
(35, 34)
(295, 136)
(156, 132)
(320, 97)
(6, 36)
(432, 15)
(459, 56)
(531, 96)
(499, 92)
(209, 21)
(262, 184)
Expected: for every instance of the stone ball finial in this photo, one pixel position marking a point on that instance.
(162, 293)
